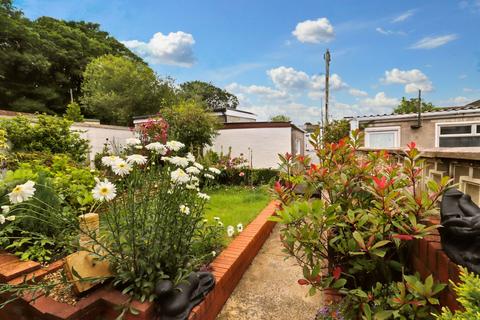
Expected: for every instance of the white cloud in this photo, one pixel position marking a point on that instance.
(176, 48)
(298, 112)
(261, 91)
(457, 101)
(389, 32)
(462, 76)
(434, 42)
(357, 92)
(336, 82)
(289, 78)
(413, 80)
(404, 16)
(380, 103)
(314, 31)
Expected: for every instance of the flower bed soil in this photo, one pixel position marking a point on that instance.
(103, 303)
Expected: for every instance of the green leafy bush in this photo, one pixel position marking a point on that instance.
(46, 134)
(468, 293)
(371, 208)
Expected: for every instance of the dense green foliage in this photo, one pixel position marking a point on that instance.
(370, 210)
(73, 112)
(280, 118)
(409, 106)
(115, 89)
(42, 60)
(468, 293)
(213, 98)
(336, 130)
(46, 134)
(191, 124)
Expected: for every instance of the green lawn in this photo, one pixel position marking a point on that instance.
(234, 205)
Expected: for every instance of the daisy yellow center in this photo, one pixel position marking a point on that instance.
(17, 189)
(104, 190)
(121, 165)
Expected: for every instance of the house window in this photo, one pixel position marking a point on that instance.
(382, 137)
(458, 135)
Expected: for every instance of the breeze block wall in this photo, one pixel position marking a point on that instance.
(429, 258)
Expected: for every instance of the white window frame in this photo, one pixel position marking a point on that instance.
(394, 129)
(473, 133)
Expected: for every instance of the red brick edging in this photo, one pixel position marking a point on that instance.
(228, 269)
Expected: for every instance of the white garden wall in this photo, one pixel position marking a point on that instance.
(263, 144)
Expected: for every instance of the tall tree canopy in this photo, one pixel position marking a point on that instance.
(408, 106)
(280, 118)
(116, 88)
(212, 97)
(42, 60)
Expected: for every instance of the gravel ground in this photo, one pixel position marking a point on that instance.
(269, 289)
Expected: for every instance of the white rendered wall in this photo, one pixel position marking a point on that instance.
(265, 144)
(98, 135)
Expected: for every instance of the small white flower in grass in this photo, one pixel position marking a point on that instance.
(108, 161)
(179, 176)
(220, 223)
(184, 209)
(214, 170)
(139, 147)
(214, 253)
(209, 176)
(178, 161)
(2, 219)
(190, 157)
(11, 218)
(230, 231)
(157, 147)
(239, 227)
(175, 145)
(121, 167)
(198, 165)
(132, 141)
(137, 159)
(104, 191)
(203, 196)
(22, 192)
(170, 191)
(191, 187)
(5, 209)
(193, 170)
(216, 218)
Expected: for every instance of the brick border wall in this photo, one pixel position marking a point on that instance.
(428, 258)
(228, 269)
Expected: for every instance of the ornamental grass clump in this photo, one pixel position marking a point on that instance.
(352, 226)
(151, 218)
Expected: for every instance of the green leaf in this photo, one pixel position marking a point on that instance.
(339, 283)
(380, 244)
(383, 315)
(358, 237)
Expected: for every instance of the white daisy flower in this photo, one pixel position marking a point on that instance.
(22, 192)
(191, 187)
(216, 218)
(220, 223)
(239, 227)
(10, 218)
(214, 170)
(184, 209)
(137, 159)
(190, 157)
(230, 231)
(178, 161)
(2, 219)
(157, 147)
(198, 165)
(193, 170)
(175, 145)
(5, 209)
(214, 253)
(203, 196)
(104, 191)
(108, 161)
(209, 176)
(121, 167)
(139, 147)
(179, 176)
(132, 141)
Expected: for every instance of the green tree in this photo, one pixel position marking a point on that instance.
(191, 124)
(43, 59)
(409, 106)
(336, 130)
(212, 97)
(73, 112)
(280, 118)
(117, 88)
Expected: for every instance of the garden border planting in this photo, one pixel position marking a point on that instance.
(228, 269)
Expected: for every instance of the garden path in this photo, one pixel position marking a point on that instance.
(269, 289)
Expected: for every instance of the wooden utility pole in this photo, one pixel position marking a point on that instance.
(326, 56)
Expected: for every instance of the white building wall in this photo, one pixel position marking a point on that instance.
(265, 144)
(98, 135)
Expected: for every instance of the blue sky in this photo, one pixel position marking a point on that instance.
(270, 53)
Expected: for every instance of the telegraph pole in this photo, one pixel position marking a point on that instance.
(326, 56)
